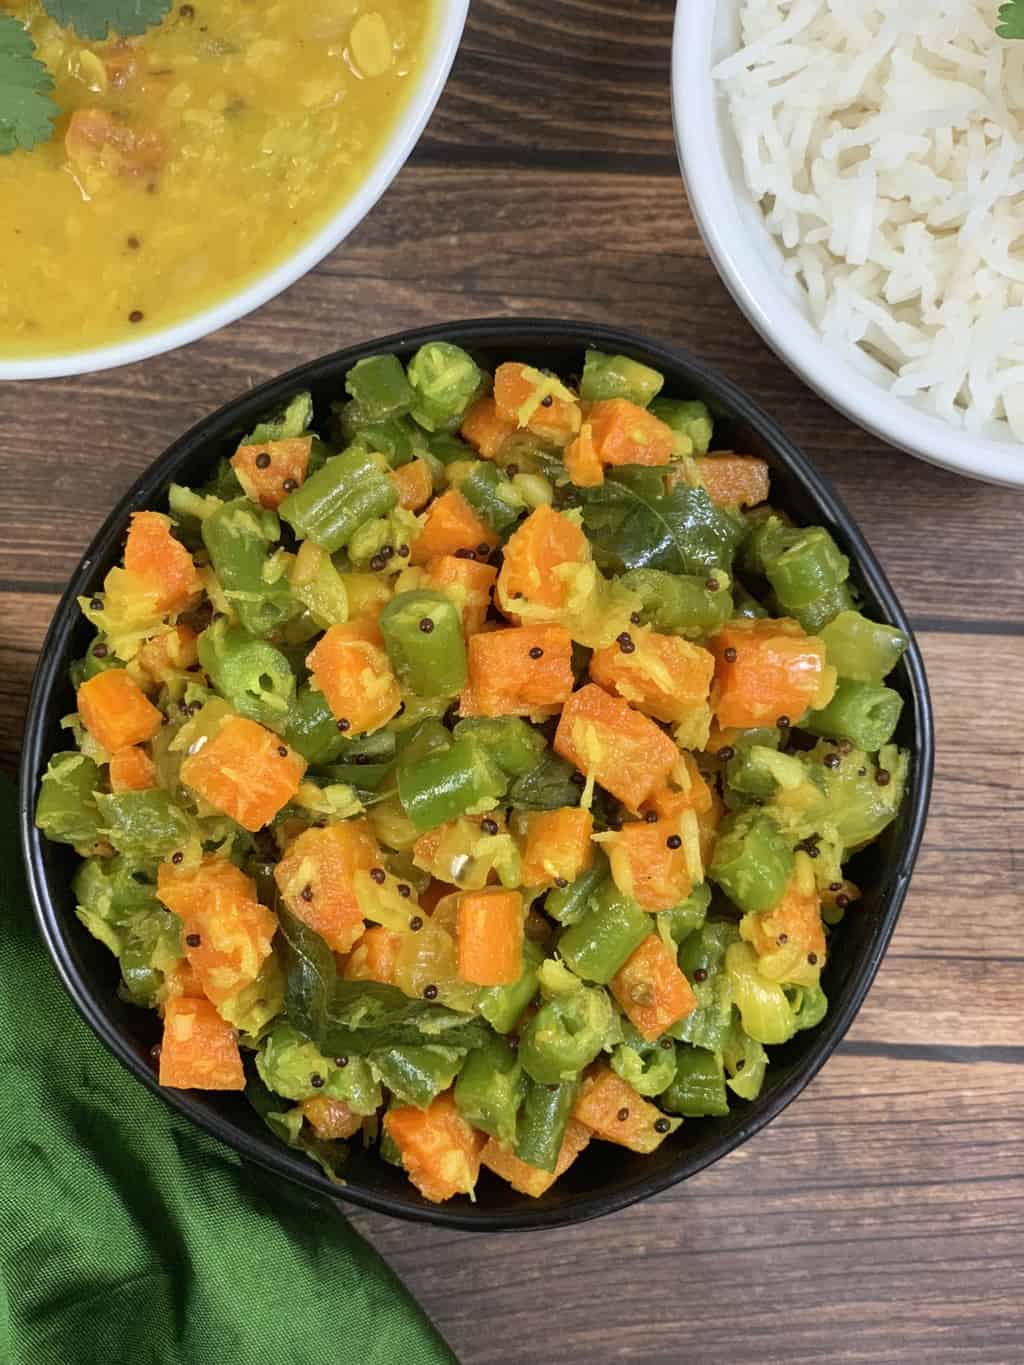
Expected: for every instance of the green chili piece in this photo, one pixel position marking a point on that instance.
(596, 946)
(565, 1035)
(752, 861)
(144, 824)
(512, 742)
(702, 960)
(681, 604)
(691, 419)
(255, 677)
(494, 498)
(445, 380)
(689, 915)
(864, 713)
(490, 1089)
(568, 904)
(616, 376)
(311, 729)
(459, 780)
(351, 490)
(803, 563)
(863, 650)
(502, 1006)
(96, 659)
(423, 637)
(648, 1067)
(542, 1122)
(379, 388)
(418, 1072)
(66, 810)
(815, 616)
(698, 1090)
(238, 538)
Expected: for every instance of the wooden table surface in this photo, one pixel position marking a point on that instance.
(881, 1218)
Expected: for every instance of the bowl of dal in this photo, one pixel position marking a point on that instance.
(200, 168)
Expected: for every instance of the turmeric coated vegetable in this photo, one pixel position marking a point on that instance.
(460, 780)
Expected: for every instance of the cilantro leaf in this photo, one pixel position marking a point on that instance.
(26, 110)
(1011, 20)
(94, 18)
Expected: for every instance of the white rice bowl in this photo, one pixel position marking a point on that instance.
(884, 141)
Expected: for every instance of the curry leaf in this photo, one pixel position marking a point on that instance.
(547, 786)
(633, 523)
(366, 1016)
(26, 109)
(95, 18)
(310, 974)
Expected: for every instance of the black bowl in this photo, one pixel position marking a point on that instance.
(604, 1178)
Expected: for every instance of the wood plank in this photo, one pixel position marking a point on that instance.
(878, 1219)
(626, 251)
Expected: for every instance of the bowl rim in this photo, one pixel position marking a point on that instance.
(447, 24)
(266, 1152)
(714, 197)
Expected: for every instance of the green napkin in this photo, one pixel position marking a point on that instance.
(129, 1237)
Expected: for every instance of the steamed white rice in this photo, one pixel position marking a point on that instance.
(884, 140)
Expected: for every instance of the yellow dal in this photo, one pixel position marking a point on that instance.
(263, 117)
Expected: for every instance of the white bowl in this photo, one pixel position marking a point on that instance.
(448, 25)
(750, 262)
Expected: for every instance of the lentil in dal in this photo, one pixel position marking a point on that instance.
(191, 160)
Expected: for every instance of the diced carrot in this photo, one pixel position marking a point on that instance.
(793, 924)
(625, 433)
(168, 654)
(244, 771)
(331, 1119)
(507, 677)
(373, 956)
(115, 710)
(316, 877)
(351, 668)
(415, 484)
(535, 553)
(692, 793)
(490, 937)
(652, 990)
(440, 1151)
(529, 1179)
(558, 846)
(485, 429)
(734, 480)
(650, 862)
(603, 1097)
(581, 460)
(450, 525)
(767, 669)
(663, 676)
(619, 748)
(469, 584)
(228, 933)
(529, 398)
(199, 1050)
(132, 770)
(270, 471)
(97, 140)
(156, 558)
